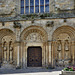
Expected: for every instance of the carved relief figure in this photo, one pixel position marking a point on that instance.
(66, 55)
(59, 55)
(59, 45)
(66, 45)
(11, 51)
(5, 51)
(34, 37)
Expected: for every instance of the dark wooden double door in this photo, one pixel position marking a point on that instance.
(34, 57)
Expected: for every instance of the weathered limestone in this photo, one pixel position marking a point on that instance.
(67, 72)
(56, 37)
(7, 7)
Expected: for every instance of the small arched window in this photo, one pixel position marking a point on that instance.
(34, 6)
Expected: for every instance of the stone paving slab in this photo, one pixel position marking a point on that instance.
(37, 73)
(30, 71)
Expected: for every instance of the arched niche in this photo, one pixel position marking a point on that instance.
(63, 44)
(7, 39)
(34, 29)
(34, 36)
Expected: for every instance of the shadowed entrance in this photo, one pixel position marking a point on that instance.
(34, 57)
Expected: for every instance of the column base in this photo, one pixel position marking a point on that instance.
(7, 65)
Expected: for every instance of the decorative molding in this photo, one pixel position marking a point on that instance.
(17, 25)
(49, 23)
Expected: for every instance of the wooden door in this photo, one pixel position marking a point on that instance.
(34, 57)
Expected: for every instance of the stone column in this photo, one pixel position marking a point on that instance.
(7, 51)
(24, 55)
(62, 49)
(18, 31)
(18, 53)
(49, 52)
(22, 48)
(1, 52)
(11, 52)
(73, 51)
(52, 53)
(69, 49)
(43, 55)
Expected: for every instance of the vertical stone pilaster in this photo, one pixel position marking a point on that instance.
(1, 54)
(49, 53)
(24, 56)
(18, 53)
(21, 52)
(8, 51)
(52, 53)
(62, 49)
(73, 51)
(15, 54)
(18, 47)
(43, 55)
(69, 49)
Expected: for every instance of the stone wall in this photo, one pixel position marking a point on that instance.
(67, 73)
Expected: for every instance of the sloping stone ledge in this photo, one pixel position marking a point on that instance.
(28, 17)
(67, 72)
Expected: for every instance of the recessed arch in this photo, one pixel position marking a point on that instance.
(35, 29)
(64, 29)
(7, 32)
(63, 39)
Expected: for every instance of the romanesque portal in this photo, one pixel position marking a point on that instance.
(34, 49)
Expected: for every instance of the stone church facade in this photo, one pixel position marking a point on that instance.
(38, 39)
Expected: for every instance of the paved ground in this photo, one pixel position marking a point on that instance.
(31, 71)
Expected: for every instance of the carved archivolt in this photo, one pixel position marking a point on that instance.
(63, 37)
(34, 33)
(64, 29)
(6, 32)
(7, 39)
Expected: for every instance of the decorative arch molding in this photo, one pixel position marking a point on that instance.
(64, 29)
(34, 36)
(6, 28)
(34, 29)
(7, 32)
(63, 43)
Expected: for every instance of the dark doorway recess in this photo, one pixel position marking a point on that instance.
(34, 57)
